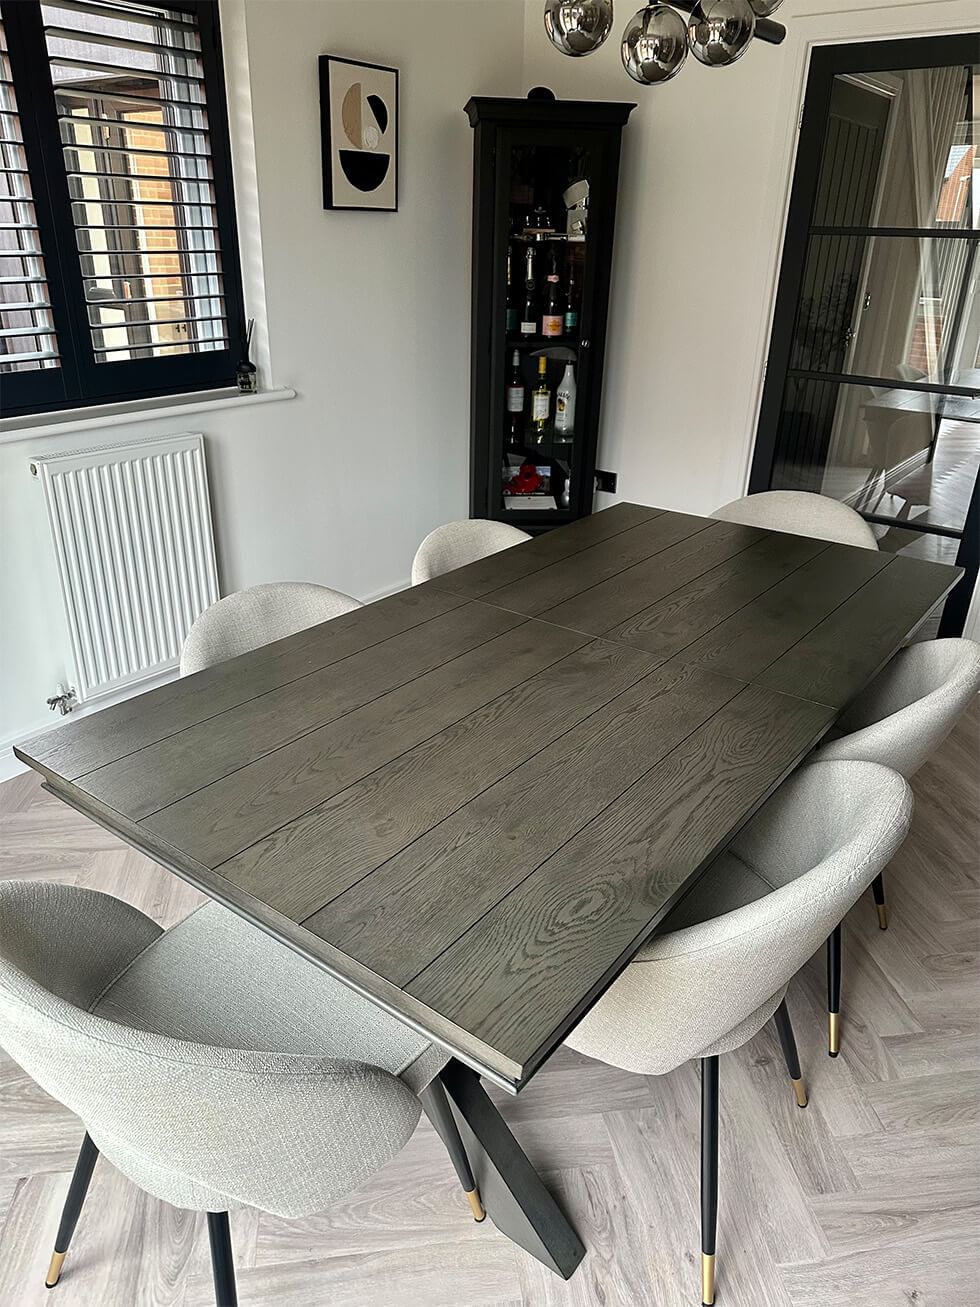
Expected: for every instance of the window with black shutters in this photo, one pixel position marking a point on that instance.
(119, 274)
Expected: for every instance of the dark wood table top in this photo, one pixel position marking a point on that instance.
(475, 799)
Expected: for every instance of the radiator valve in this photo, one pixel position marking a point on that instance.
(65, 700)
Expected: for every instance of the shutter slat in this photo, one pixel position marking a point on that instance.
(206, 346)
(97, 147)
(146, 322)
(88, 37)
(115, 124)
(122, 70)
(32, 357)
(128, 15)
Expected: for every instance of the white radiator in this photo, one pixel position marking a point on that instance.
(131, 527)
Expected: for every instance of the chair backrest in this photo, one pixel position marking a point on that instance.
(822, 838)
(908, 710)
(800, 513)
(251, 618)
(457, 543)
(197, 1126)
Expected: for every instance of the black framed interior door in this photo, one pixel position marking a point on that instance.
(872, 389)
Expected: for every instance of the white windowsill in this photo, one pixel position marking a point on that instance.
(139, 410)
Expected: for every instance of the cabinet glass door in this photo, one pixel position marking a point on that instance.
(547, 202)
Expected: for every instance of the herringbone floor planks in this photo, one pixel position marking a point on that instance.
(870, 1198)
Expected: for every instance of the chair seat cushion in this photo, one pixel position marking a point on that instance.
(217, 979)
(729, 883)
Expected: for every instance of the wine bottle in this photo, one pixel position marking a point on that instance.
(541, 401)
(511, 302)
(515, 400)
(565, 404)
(529, 315)
(552, 318)
(571, 303)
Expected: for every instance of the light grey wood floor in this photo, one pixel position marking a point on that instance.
(870, 1197)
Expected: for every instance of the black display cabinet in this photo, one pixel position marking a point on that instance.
(544, 208)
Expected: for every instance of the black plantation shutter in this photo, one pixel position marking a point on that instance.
(28, 340)
(131, 124)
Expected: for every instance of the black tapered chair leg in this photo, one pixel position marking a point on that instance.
(787, 1040)
(878, 890)
(833, 992)
(437, 1106)
(222, 1262)
(709, 1176)
(87, 1155)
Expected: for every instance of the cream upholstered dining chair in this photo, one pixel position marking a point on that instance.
(212, 1065)
(801, 513)
(900, 720)
(718, 968)
(250, 618)
(457, 543)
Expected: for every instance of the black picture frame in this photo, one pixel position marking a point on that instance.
(330, 136)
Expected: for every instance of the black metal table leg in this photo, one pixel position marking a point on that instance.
(513, 1193)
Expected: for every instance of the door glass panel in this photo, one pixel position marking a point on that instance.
(899, 150)
(907, 455)
(891, 307)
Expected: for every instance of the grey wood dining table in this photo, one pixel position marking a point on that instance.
(472, 801)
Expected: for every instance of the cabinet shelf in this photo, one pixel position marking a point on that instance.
(543, 342)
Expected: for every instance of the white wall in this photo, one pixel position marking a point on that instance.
(368, 319)
(707, 163)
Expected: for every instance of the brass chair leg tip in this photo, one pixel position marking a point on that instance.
(476, 1206)
(54, 1270)
(799, 1089)
(707, 1279)
(834, 1033)
(882, 916)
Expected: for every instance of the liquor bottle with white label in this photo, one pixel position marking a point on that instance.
(541, 402)
(565, 404)
(515, 400)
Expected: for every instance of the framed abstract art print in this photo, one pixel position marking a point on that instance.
(359, 134)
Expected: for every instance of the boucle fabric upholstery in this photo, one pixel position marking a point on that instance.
(251, 618)
(459, 543)
(210, 1064)
(708, 982)
(904, 715)
(801, 513)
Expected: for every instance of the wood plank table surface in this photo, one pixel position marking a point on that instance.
(474, 800)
